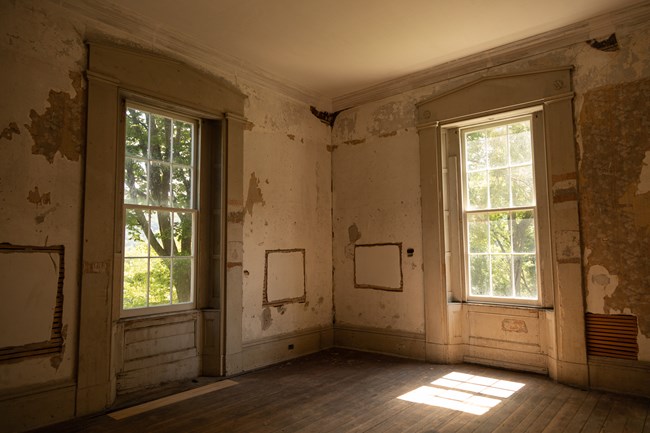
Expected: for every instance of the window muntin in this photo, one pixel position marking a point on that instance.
(499, 211)
(159, 212)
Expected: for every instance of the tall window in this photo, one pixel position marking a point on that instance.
(499, 210)
(160, 212)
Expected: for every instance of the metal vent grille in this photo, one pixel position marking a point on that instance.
(613, 336)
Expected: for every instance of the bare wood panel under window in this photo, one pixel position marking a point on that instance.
(613, 336)
(53, 340)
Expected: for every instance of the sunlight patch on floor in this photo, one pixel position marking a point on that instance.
(464, 392)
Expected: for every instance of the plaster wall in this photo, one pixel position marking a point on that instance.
(42, 138)
(377, 199)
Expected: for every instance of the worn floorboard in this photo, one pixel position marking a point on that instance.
(346, 391)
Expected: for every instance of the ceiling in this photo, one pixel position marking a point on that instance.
(336, 47)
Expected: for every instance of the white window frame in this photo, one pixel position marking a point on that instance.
(456, 244)
(151, 107)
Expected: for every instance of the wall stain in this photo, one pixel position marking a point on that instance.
(254, 194)
(355, 142)
(331, 147)
(38, 199)
(353, 233)
(61, 128)
(291, 137)
(388, 134)
(40, 218)
(615, 219)
(10, 130)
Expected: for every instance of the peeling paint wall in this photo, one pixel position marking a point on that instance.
(615, 205)
(375, 160)
(42, 139)
(376, 185)
(287, 206)
(41, 167)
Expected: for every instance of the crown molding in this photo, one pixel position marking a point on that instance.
(599, 26)
(103, 20)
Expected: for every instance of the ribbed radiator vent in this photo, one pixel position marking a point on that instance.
(613, 336)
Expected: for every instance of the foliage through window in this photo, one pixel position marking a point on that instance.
(499, 210)
(159, 209)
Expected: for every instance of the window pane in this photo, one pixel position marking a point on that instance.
(183, 136)
(159, 182)
(498, 147)
(136, 274)
(137, 132)
(183, 227)
(477, 229)
(161, 227)
(135, 181)
(182, 287)
(182, 187)
(520, 145)
(501, 275)
(475, 150)
(477, 190)
(160, 282)
(499, 188)
(522, 186)
(499, 233)
(479, 270)
(523, 231)
(136, 225)
(161, 133)
(525, 272)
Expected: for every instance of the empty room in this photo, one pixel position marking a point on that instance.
(284, 216)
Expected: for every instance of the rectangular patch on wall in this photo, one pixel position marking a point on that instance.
(612, 335)
(32, 282)
(284, 276)
(378, 266)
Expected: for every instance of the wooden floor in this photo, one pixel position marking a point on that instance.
(346, 391)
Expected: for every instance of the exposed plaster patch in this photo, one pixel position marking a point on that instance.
(644, 178)
(61, 128)
(600, 285)
(615, 220)
(266, 318)
(236, 217)
(391, 117)
(354, 235)
(38, 199)
(567, 246)
(10, 130)
(254, 194)
(40, 218)
(644, 346)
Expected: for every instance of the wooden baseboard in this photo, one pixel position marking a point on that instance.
(398, 343)
(279, 348)
(37, 407)
(619, 375)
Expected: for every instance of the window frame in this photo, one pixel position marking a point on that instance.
(177, 113)
(454, 202)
